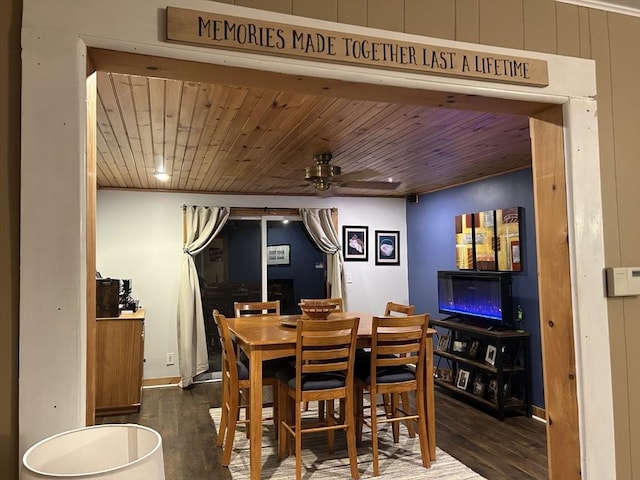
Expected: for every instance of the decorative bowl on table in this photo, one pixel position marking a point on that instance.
(318, 309)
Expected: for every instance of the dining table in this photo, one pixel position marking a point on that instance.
(274, 336)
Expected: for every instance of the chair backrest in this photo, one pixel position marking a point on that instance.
(398, 342)
(256, 309)
(394, 309)
(338, 300)
(326, 346)
(229, 369)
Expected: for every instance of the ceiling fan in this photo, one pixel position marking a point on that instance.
(322, 175)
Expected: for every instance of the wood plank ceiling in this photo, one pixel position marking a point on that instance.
(245, 140)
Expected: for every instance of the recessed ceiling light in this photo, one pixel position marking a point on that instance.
(162, 176)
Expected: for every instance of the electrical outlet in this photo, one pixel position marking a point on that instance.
(170, 358)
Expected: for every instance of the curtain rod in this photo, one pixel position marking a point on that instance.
(264, 209)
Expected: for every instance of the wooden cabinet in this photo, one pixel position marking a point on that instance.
(488, 367)
(119, 363)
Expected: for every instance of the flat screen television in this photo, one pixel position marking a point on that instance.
(479, 297)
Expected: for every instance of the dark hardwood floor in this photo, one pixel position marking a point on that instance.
(513, 449)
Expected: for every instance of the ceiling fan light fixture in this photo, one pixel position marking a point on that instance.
(321, 173)
(322, 184)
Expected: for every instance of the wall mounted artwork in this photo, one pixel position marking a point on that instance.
(387, 247)
(355, 243)
(489, 240)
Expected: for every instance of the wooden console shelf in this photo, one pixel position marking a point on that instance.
(119, 363)
(488, 367)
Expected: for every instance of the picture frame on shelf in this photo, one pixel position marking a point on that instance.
(479, 386)
(355, 243)
(443, 343)
(462, 379)
(459, 346)
(474, 346)
(387, 247)
(445, 374)
(492, 389)
(490, 356)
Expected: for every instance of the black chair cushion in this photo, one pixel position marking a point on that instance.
(383, 375)
(316, 381)
(269, 368)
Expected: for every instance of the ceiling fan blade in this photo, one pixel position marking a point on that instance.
(371, 185)
(365, 174)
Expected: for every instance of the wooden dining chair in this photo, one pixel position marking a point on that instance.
(393, 309)
(338, 300)
(397, 365)
(235, 387)
(323, 372)
(398, 309)
(339, 308)
(255, 309)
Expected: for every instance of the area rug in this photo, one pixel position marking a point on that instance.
(400, 461)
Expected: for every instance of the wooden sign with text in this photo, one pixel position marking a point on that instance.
(258, 36)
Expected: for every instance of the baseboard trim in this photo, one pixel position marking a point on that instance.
(155, 382)
(539, 412)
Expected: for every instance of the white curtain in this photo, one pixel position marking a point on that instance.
(202, 225)
(320, 227)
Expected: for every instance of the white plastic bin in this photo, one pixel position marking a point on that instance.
(111, 451)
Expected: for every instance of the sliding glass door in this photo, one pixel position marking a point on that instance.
(256, 259)
(295, 266)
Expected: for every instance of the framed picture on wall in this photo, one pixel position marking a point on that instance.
(387, 247)
(355, 241)
(278, 255)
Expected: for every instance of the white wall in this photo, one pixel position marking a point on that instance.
(139, 236)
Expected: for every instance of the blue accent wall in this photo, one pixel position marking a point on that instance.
(431, 247)
(308, 280)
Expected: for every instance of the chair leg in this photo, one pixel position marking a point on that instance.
(351, 438)
(330, 421)
(374, 435)
(386, 401)
(298, 438)
(222, 428)
(405, 408)
(359, 414)
(283, 437)
(422, 431)
(394, 412)
(247, 411)
(234, 411)
(275, 409)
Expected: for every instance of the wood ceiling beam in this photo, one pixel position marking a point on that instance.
(147, 65)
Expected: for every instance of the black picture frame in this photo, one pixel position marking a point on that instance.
(473, 348)
(387, 247)
(355, 243)
(278, 255)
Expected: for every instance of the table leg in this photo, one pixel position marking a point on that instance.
(430, 399)
(255, 422)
